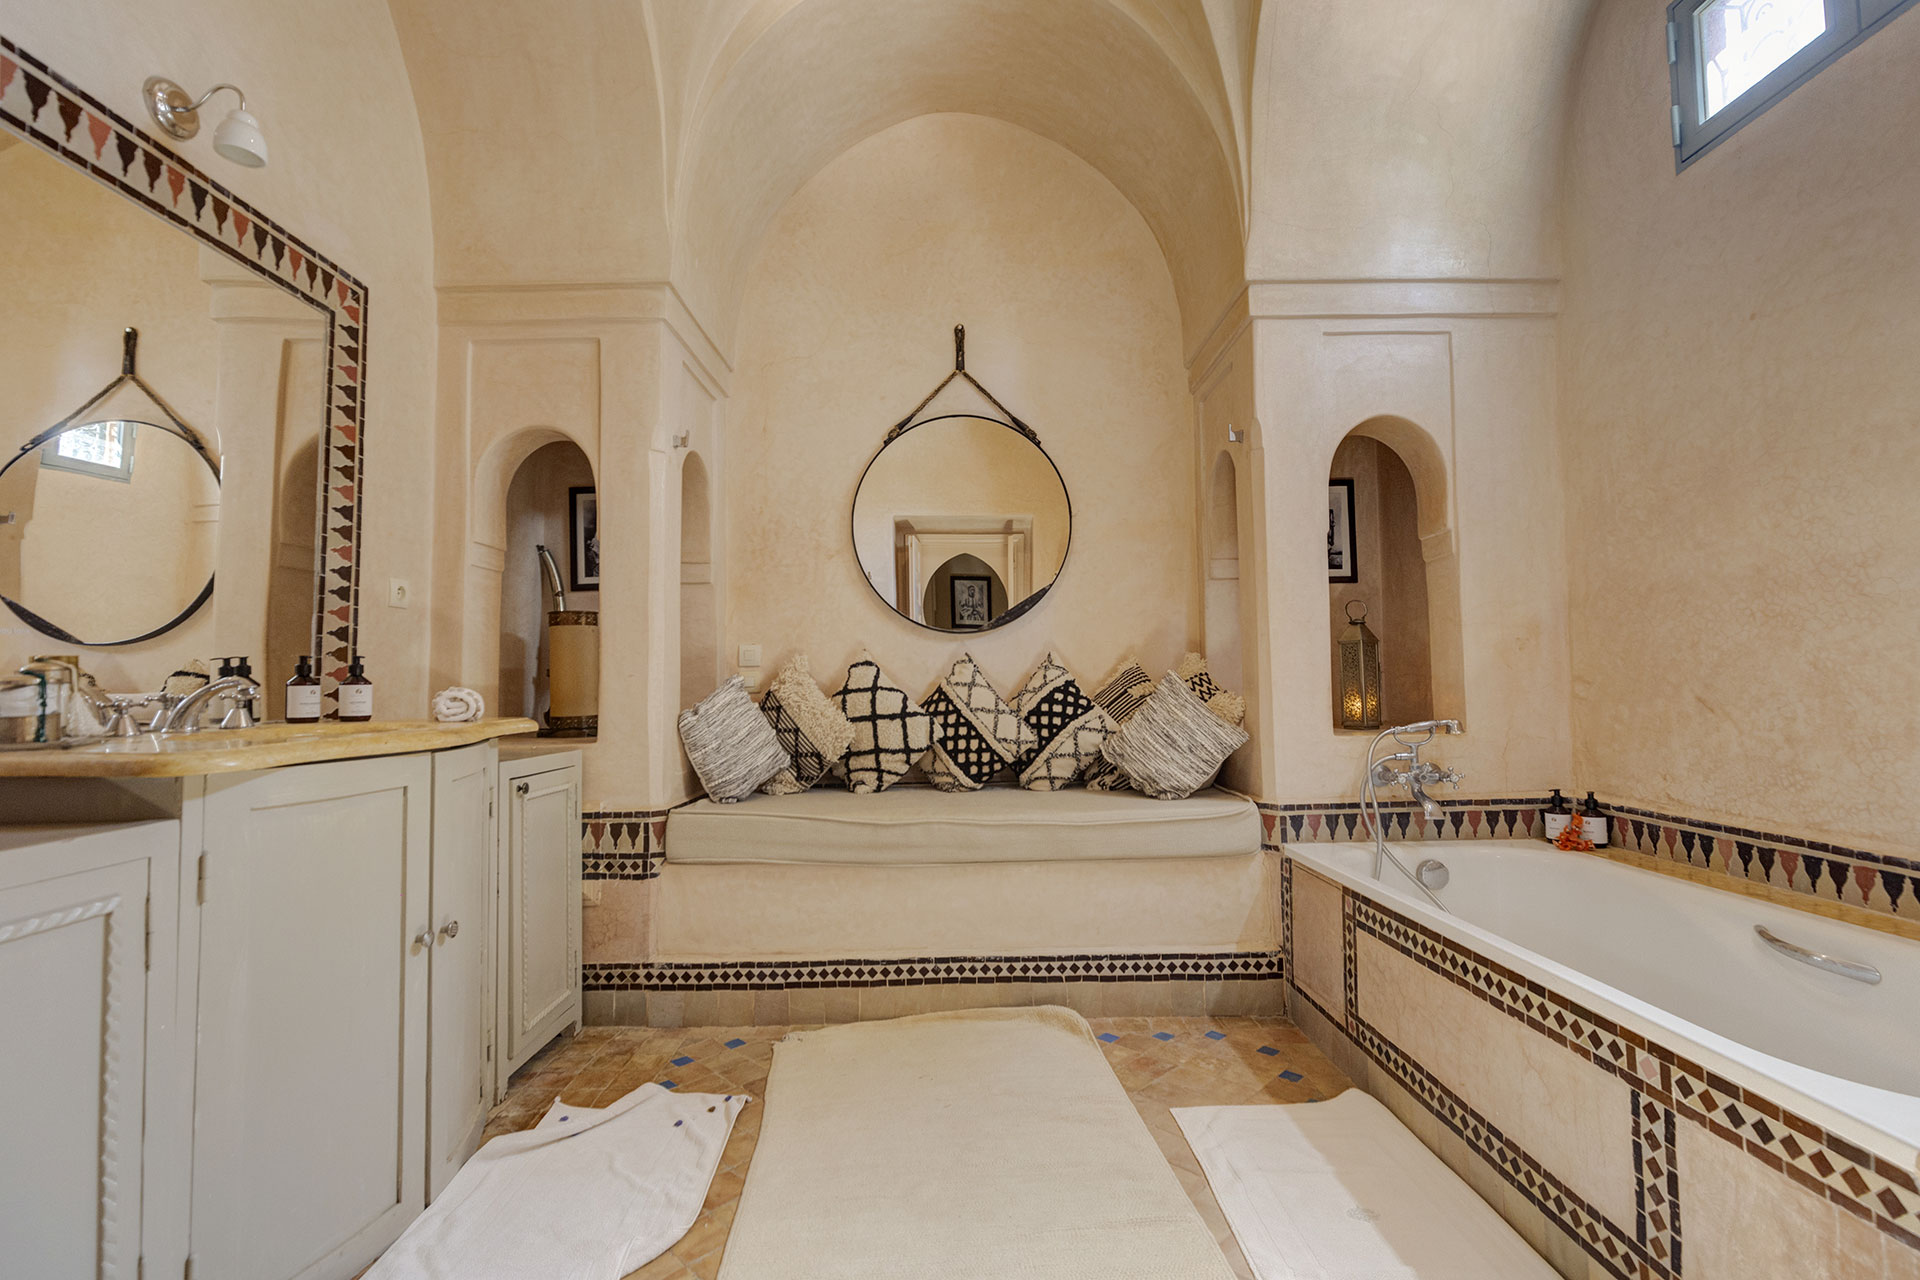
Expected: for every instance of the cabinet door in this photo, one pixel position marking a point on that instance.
(310, 1099)
(459, 1078)
(540, 912)
(72, 1035)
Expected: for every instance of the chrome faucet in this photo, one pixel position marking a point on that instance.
(1416, 777)
(183, 716)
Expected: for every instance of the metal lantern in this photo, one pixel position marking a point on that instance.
(1359, 672)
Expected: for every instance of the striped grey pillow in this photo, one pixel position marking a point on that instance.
(730, 744)
(1174, 745)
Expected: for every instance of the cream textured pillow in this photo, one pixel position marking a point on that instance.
(1174, 744)
(1226, 704)
(731, 745)
(890, 733)
(810, 727)
(976, 734)
(1068, 728)
(1124, 691)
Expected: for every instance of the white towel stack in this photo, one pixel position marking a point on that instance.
(458, 706)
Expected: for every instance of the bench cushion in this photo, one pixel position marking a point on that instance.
(919, 825)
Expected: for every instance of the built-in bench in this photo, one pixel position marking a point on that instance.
(919, 826)
(915, 873)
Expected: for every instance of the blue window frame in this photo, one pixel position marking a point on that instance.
(1732, 59)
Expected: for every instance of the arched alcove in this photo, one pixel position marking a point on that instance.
(699, 611)
(1406, 574)
(1223, 574)
(539, 512)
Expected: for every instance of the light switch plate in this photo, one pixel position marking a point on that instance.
(399, 594)
(749, 655)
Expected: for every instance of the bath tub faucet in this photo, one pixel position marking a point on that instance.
(1416, 776)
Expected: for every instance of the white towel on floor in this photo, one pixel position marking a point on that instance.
(588, 1194)
(1340, 1190)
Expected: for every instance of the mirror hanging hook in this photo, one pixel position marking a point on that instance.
(959, 348)
(129, 344)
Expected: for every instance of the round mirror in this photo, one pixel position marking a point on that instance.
(961, 522)
(107, 531)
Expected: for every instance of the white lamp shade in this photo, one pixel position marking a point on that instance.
(239, 139)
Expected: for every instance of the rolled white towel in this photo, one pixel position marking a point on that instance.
(458, 706)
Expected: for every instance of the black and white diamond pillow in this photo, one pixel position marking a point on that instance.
(1068, 727)
(890, 733)
(976, 734)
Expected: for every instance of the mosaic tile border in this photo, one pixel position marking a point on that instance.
(64, 120)
(1864, 1184)
(622, 844)
(1820, 870)
(766, 975)
(1329, 821)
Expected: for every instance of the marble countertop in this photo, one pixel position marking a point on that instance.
(265, 746)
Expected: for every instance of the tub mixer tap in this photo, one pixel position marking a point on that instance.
(1416, 776)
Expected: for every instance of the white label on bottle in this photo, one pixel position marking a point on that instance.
(356, 700)
(1556, 823)
(303, 702)
(1594, 830)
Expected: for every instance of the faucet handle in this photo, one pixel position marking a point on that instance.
(239, 717)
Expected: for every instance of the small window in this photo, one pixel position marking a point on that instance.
(1732, 59)
(103, 449)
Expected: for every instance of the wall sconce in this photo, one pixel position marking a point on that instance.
(238, 137)
(1359, 673)
(680, 441)
(1236, 435)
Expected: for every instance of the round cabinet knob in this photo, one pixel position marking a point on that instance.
(449, 930)
(424, 938)
(522, 788)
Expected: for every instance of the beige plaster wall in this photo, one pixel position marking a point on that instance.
(84, 263)
(1070, 321)
(1740, 392)
(348, 175)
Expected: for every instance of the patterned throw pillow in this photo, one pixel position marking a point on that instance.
(1226, 704)
(1121, 694)
(731, 745)
(976, 734)
(890, 733)
(1174, 744)
(1068, 725)
(809, 726)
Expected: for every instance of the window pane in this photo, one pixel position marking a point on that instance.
(101, 443)
(1740, 41)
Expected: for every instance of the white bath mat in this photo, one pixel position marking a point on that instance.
(989, 1143)
(1340, 1190)
(588, 1194)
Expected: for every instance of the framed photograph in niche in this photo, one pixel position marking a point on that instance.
(971, 598)
(1341, 563)
(583, 529)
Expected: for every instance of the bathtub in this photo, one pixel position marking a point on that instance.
(1680, 964)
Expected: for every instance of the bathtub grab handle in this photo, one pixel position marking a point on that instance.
(1845, 968)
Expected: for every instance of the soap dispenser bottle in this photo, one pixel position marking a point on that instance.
(1558, 814)
(356, 693)
(1593, 823)
(243, 667)
(303, 693)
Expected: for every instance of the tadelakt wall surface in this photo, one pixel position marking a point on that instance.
(1071, 323)
(347, 174)
(1741, 425)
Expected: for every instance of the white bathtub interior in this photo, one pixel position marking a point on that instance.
(1657, 951)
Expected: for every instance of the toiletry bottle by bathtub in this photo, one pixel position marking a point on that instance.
(356, 693)
(1558, 815)
(1593, 823)
(303, 693)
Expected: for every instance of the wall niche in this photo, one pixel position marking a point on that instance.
(538, 514)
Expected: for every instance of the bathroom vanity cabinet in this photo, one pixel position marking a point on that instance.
(256, 1019)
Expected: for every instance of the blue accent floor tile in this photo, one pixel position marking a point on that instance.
(1163, 1035)
(1108, 1036)
(1269, 1050)
(682, 1061)
(1290, 1076)
(735, 1044)
(668, 1084)
(1216, 1035)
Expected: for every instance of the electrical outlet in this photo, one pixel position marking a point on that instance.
(399, 594)
(750, 655)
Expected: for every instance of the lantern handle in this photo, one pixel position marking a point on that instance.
(1363, 612)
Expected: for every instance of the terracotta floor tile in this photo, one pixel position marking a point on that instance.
(1189, 1069)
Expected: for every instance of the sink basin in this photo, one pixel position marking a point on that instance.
(205, 740)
